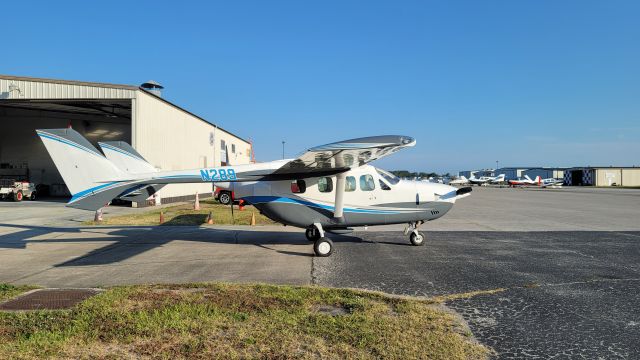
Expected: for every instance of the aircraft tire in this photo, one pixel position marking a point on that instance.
(416, 238)
(312, 234)
(323, 247)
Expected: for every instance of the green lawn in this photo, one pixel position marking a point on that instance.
(239, 321)
(185, 215)
(9, 291)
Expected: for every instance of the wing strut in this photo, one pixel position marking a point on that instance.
(339, 203)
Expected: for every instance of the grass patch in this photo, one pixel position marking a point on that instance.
(185, 215)
(238, 321)
(10, 291)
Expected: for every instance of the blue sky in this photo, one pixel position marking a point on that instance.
(550, 83)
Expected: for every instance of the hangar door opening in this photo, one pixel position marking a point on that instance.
(576, 177)
(23, 157)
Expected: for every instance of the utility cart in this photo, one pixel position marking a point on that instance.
(17, 190)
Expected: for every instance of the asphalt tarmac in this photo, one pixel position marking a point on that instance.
(567, 294)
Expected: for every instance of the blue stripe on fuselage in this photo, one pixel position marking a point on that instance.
(279, 199)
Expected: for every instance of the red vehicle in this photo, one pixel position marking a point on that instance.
(224, 196)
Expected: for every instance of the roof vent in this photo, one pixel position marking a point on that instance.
(153, 87)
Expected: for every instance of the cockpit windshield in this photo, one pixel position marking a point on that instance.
(392, 179)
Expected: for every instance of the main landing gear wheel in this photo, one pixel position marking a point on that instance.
(323, 247)
(312, 234)
(416, 238)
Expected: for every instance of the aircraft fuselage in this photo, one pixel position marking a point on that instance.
(369, 199)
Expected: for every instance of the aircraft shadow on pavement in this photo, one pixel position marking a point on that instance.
(124, 242)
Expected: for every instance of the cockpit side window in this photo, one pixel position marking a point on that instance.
(350, 184)
(383, 186)
(389, 177)
(367, 183)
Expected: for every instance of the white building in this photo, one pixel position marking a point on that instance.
(168, 136)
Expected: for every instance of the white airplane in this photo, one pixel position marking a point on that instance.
(487, 179)
(328, 188)
(552, 182)
(538, 181)
(462, 180)
(526, 181)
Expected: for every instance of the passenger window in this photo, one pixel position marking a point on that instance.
(384, 186)
(350, 184)
(298, 186)
(325, 184)
(367, 183)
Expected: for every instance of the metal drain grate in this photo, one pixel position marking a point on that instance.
(49, 299)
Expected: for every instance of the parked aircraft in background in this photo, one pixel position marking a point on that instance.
(462, 180)
(525, 181)
(538, 181)
(552, 182)
(328, 188)
(487, 179)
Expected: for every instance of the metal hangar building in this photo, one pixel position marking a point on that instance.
(168, 136)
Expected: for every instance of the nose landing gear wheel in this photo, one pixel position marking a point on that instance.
(323, 247)
(416, 238)
(312, 234)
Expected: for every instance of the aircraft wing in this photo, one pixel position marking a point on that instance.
(341, 156)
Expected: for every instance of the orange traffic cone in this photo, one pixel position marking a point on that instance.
(241, 205)
(253, 219)
(210, 219)
(161, 217)
(196, 206)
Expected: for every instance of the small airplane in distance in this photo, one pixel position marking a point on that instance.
(552, 182)
(462, 180)
(525, 181)
(487, 179)
(329, 188)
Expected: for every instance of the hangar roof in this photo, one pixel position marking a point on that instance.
(31, 89)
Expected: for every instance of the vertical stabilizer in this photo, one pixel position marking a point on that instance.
(84, 169)
(126, 158)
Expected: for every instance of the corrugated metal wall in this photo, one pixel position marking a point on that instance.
(608, 177)
(22, 89)
(630, 177)
(544, 173)
(618, 176)
(172, 139)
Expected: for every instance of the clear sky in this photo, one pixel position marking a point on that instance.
(550, 83)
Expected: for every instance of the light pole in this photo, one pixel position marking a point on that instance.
(282, 149)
